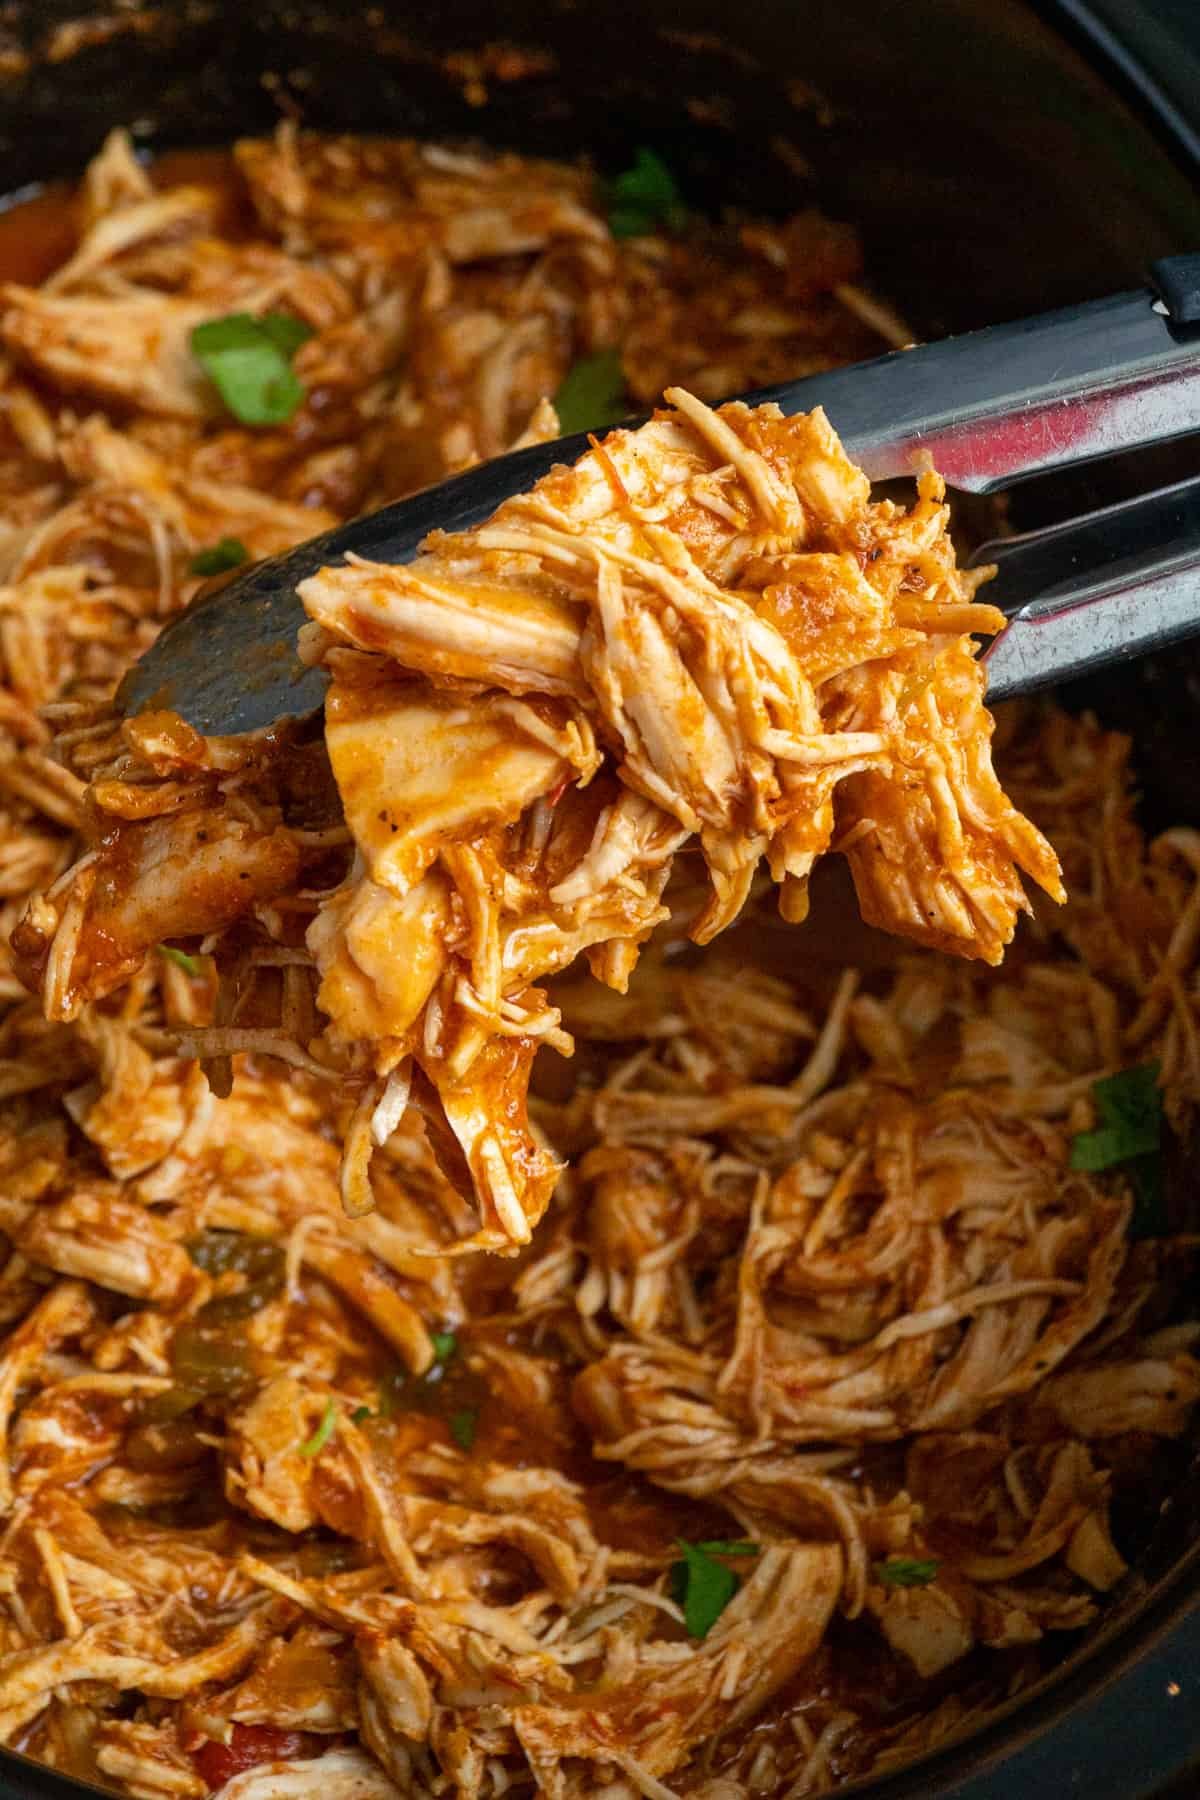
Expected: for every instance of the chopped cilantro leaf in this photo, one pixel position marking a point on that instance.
(463, 1426)
(285, 331)
(641, 197)
(445, 1344)
(314, 1445)
(1130, 1108)
(360, 1415)
(190, 965)
(591, 393)
(1129, 1133)
(226, 553)
(249, 362)
(907, 1571)
(702, 1586)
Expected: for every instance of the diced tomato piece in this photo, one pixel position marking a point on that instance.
(248, 1746)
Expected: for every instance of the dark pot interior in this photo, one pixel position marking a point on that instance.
(991, 172)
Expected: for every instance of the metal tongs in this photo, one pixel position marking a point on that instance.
(990, 408)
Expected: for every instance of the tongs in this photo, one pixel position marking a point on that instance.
(990, 408)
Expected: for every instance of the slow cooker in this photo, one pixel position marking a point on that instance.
(998, 158)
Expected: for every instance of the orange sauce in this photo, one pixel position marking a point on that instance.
(38, 234)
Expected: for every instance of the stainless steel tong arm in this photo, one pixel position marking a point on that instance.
(1099, 589)
(989, 408)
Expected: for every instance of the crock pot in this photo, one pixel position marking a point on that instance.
(998, 158)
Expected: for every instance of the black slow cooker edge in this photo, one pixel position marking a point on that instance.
(1152, 50)
(1120, 1719)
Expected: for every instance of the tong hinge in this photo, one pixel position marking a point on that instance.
(1177, 279)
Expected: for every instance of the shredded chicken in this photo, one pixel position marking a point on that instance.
(703, 633)
(294, 1497)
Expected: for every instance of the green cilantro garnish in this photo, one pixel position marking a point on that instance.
(226, 553)
(1130, 1107)
(285, 331)
(591, 393)
(249, 362)
(463, 1426)
(1129, 1135)
(360, 1415)
(445, 1345)
(907, 1571)
(190, 965)
(702, 1586)
(644, 196)
(314, 1445)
